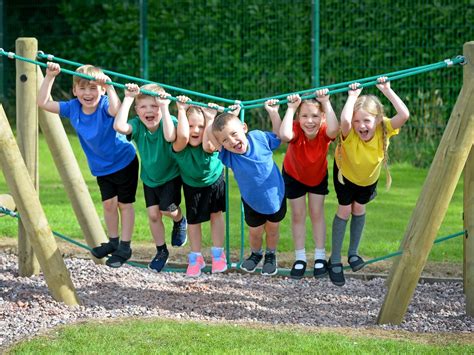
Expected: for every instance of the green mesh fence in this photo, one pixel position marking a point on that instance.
(253, 48)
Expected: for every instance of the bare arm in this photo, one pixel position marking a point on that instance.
(286, 129)
(182, 132)
(209, 114)
(120, 121)
(169, 130)
(332, 129)
(272, 106)
(402, 110)
(348, 110)
(44, 99)
(114, 100)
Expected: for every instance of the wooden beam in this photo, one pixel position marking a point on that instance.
(7, 202)
(33, 218)
(27, 133)
(468, 269)
(72, 178)
(434, 199)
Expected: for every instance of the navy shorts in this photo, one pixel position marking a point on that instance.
(167, 196)
(256, 219)
(295, 189)
(122, 183)
(202, 201)
(350, 192)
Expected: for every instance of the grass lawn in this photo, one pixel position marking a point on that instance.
(387, 215)
(158, 337)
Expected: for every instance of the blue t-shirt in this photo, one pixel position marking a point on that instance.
(106, 150)
(260, 182)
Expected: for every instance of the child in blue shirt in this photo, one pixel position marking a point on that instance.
(111, 158)
(250, 156)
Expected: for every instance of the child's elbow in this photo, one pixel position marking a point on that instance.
(405, 115)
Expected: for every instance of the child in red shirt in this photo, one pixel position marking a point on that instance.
(305, 173)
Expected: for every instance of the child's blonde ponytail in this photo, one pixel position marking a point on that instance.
(385, 155)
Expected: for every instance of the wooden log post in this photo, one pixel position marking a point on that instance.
(34, 220)
(27, 133)
(434, 199)
(72, 178)
(6, 201)
(469, 237)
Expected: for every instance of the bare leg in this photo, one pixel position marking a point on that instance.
(127, 214)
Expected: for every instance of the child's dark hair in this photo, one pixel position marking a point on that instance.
(221, 121)
(194, 109)
(309, 101)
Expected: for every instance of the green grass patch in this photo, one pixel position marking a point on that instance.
(387, 215)
(158, 337)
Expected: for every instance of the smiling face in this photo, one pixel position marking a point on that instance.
(364, 124)
(231, 135)
(149, 112)
(88, 93)
(310, 117)
(196, 127)
(368, 113)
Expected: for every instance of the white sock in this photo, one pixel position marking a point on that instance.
(319, 254)
(300, 254)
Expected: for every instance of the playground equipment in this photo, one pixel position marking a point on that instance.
(453, 154)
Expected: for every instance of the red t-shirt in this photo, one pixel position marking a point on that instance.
(305, 159)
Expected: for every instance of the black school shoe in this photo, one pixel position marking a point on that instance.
(118, 258)
(298, 273)
(337, 278)
(357, 263)
(104, 250)
(322, 271)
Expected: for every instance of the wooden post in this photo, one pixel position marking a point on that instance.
(72, 178)
(31, 212)
(434, 199)
(27, 133)
(7, 202)
(469, 237)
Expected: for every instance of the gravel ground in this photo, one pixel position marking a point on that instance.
(26, 308)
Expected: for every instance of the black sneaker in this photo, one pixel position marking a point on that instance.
(250, 264)
(104, 249)
(320, 271)
(119, 257)
(159, 261)
(298, 273)
(178, 235)
(337, 278)
(269, 264)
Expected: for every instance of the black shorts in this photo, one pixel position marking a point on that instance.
(295, 189)
(255, 219)
(202, 201)
(122, 183)
(350, 192)
(167, 196)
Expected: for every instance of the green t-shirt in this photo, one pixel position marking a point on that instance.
(158, 165)
(198, 168)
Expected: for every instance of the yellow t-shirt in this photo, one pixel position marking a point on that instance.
(359, 161)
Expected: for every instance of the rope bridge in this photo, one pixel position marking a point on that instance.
(6, 211)
(245, 105)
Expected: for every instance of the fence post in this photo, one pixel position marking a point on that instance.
(434, 199)
(468, 215)
(27, 134)
(32, 215)
(72, 178)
